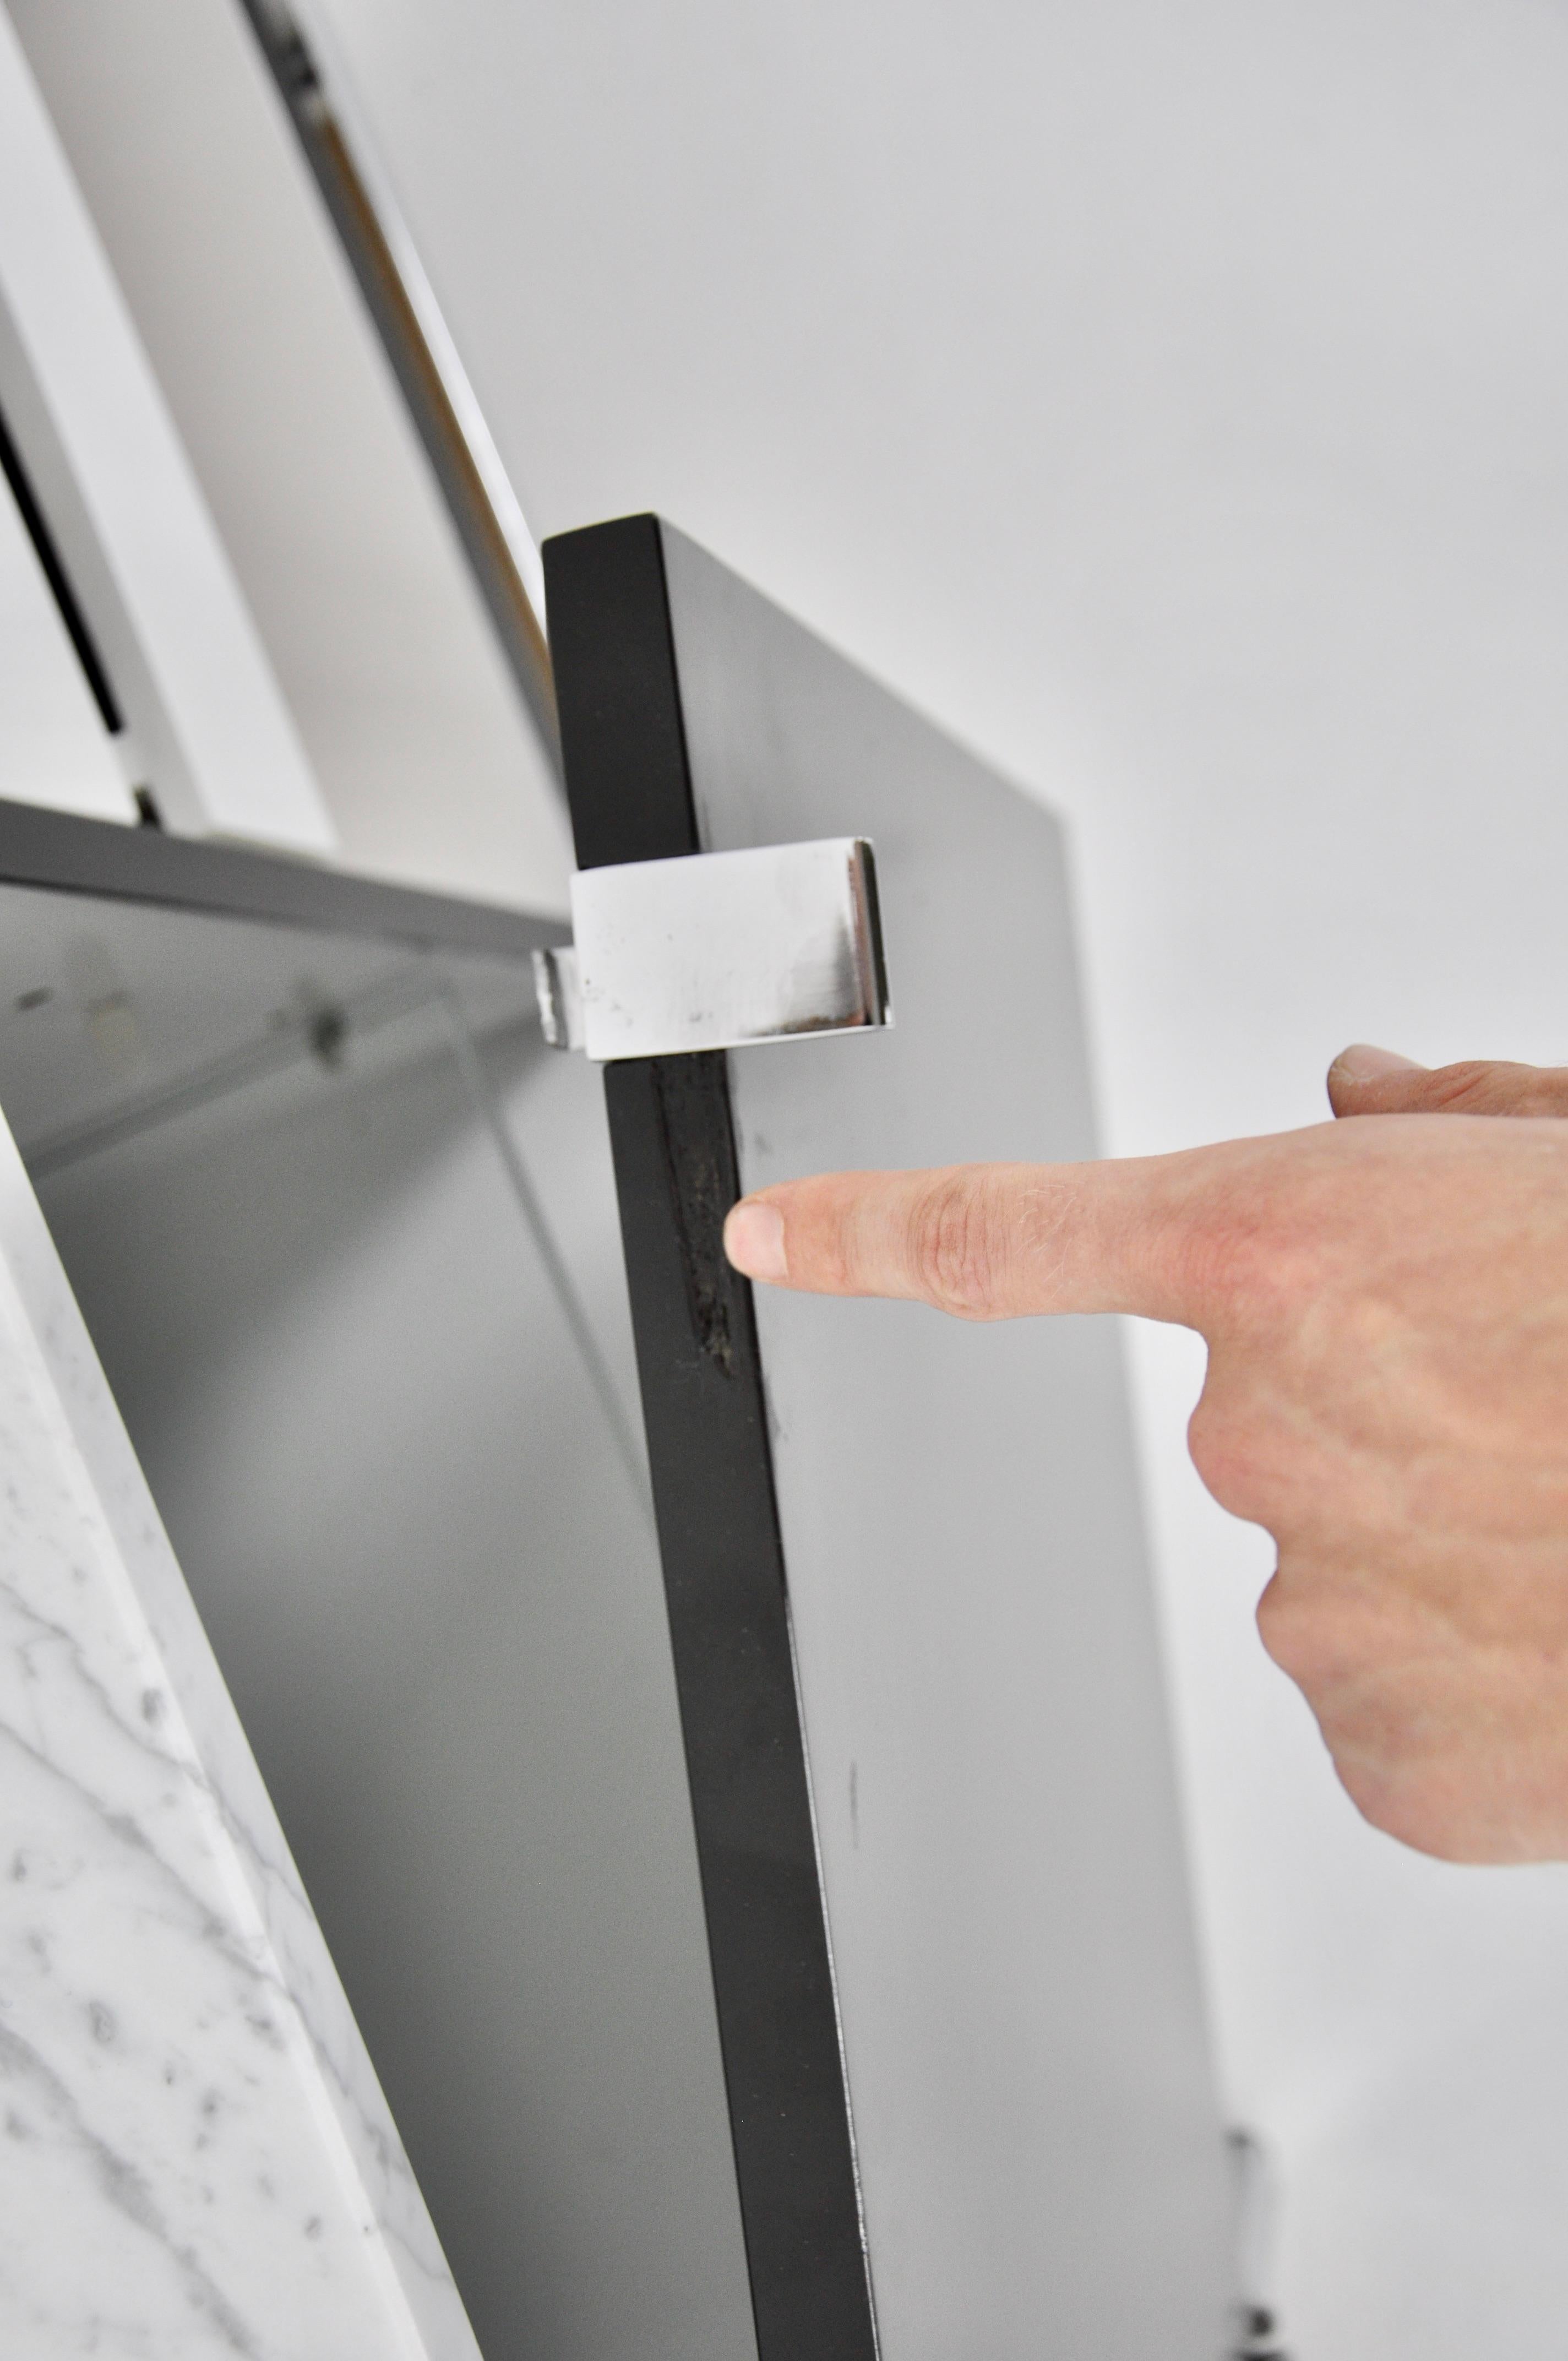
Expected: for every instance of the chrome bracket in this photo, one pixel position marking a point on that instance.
(718, 950)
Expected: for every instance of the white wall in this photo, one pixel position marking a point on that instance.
(222, 752)
(1171, 400)
(294, 428)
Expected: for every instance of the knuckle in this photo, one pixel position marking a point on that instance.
(1291, 1631)
(1465, 1085)
(1212, 1443)
(1232, 1474)
(1321, 1636)
(1399, 1802)
(1392, 1748)
(1472, 1086)
(1486, 1086)
(953, 1246)
(1234, 1448)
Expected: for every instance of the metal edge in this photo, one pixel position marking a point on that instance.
(371, 241)
(870, 948)
(62, 853)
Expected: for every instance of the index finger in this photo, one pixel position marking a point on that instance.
(984, 1241)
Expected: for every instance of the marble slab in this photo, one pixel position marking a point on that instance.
(196, 2157)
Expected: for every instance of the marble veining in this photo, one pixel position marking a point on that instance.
(196, 2157)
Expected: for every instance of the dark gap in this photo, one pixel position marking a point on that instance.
(59, 581)
(691, 1096)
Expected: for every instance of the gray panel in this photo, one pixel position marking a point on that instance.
(431, 1581)
(1043, 2164)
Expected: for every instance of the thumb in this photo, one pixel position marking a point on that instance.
(1363, 1081)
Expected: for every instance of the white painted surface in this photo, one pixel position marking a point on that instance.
(222, 752)
(1170, 399)
(196, 2159)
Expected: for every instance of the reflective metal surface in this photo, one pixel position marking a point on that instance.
(560, 997)
(716, 950)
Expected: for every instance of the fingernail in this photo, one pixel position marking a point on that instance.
(754, 1240)
(1361, 1063)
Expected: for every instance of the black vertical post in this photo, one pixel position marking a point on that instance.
(629, 786)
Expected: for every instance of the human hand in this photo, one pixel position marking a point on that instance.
(1363, 1081)
(1386, 1306)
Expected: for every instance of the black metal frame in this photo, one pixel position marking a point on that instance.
(629, 787)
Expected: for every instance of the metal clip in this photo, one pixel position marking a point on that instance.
(718, 950)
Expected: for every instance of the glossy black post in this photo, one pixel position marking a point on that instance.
(630, 792)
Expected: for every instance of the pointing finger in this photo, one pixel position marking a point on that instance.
(984, 1241)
